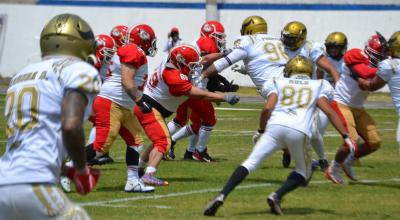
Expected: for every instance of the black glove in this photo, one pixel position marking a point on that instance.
(231, 98)
(144, 106)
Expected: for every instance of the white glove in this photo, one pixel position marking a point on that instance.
(256, 136)
(231, 98)
(240, 69)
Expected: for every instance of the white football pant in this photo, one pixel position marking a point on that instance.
(319, 126)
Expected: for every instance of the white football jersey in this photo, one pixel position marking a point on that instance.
(297, 100)
(389, 71)
(347, 91)
(311, 50)
(263, 57)
(338, 66)
(35, 151)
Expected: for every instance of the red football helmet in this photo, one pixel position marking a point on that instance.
(214, 30)
(376, 48)
(105, 47)
(186, 58)
(118, 33)
(143, 36)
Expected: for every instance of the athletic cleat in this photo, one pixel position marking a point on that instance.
(213, 206)
(104, 159)
(170, 155)
(274, 204)
(348, 168)
(150, 179)
(188, 155)
(65, 183)
(314, 165)
(137, 185)
(333, 174)
(286, 159)
(202, 156)
(323, 164)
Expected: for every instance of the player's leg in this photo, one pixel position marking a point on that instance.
(317, 140)
(267, 144)
(398, 134)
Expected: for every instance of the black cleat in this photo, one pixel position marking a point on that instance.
(323, 164)
(202, 156)
(213, 206)
(104, 159)
(274, 204)
(188, 155)
(286, 159)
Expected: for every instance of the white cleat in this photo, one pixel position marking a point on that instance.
(137, 185)
(333, 173)
(348, 168)
(65, 183)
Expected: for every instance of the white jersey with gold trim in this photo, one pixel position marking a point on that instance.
(34, 151)
(389, 71)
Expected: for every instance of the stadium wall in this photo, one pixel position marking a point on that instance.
(23, 22)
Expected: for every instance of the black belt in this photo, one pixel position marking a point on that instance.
(164, 112)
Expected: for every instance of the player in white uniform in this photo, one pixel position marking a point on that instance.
(388, 73)
(286, 119)
(294, 39)
(46, 105)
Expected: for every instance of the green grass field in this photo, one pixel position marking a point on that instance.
(194, 184)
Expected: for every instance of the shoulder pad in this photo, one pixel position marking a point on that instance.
(355, 56)
(242, 42)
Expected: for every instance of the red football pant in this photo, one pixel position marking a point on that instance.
(200, 111)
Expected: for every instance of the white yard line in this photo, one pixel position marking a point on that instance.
(155, 197)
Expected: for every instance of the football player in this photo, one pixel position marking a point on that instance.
(388, 73)
(349, 104)
(286, 119)
(46, 105)
(200, 112)
(165, 90)
(113, 106)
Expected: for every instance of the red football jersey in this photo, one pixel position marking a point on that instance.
(358, 62)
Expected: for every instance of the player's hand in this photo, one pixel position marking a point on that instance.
(240, 69)
(257, 135)
(231, 98)
(363, 84)
(85, 180)
(350, 144)
(144, 106)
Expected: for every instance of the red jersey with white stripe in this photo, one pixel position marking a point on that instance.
(168, 86)
(112, 88)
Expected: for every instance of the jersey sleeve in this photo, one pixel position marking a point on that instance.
(206, 46)
(317, 50)
(269, 87)
(178, 83)
(385, 70)
(132, 54)
(327, 90)
(355, 56)
(243, 43)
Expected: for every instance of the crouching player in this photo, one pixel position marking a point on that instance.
(287, 120)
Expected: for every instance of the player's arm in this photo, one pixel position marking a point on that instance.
(267, 110)
(128, 72)
(198, 93)
(208, 59)
(371, 85)
(320, 73)
(224, 62)
(327, 66)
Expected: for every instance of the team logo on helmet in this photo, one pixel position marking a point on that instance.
(180, 58)
(207, 28)
(144, 35)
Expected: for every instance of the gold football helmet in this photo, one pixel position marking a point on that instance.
(298, 65)
(293, 35)
(67, 34)
(336, 45)
(254, 25)
(394, 44)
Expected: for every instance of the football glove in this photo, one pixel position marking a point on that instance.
(144, 106)
(240, 69)
(257, 135)
(349, 143)
(86, 181)
(231, 98)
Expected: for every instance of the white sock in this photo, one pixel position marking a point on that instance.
(132, 172)
(185, 131)
(173, 127)
(151, 169)
(204, 135)
(92, 136)
(192, 143)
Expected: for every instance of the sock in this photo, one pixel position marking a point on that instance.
(173, 127)
(293, 181)
(90, 152)
(141, 163)
(204, 135)
(237, 177)
(185, 131)
(132, 161)
(150, 170)
(192, 143)
(132, 172)
(92, 136)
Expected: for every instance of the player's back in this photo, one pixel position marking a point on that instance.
(389, 71)
(265, 57)
(297, 100)
(33, 112)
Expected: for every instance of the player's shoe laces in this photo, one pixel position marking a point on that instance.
(137, 185)
(188, 155)
(150, 179)
(104, 159)
(348, 168)
(286, 159)
(323, 164)
(213, 206)
(202, 156)
(65, 183)
(274, 204)
(333, 173)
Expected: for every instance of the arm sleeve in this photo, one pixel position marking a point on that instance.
(327, 90)
(178, 83)
(233, 57)
(363, 70)
(385, 70)
(269, 87)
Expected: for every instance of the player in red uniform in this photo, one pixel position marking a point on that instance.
(348, 103)
(166, 89)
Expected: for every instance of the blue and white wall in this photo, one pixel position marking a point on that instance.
(359, 20)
